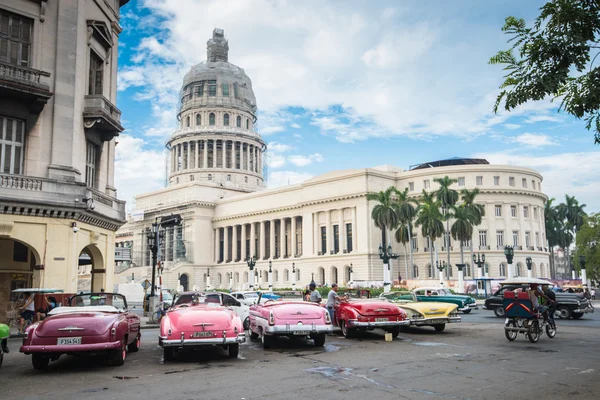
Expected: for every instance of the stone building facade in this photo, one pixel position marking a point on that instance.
(58, 124)
(320, 229)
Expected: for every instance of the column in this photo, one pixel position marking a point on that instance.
(250, 158)
(256, 159)
(263, 250)
(233, 150)
(354, 231)
(342, 231)
(235, 255)
(173, 158)
(328, 230)
(177, 156)
(226, 244)
(252, 239)
(242, 155)
(205, 154)
(272, 239)
(214, 159)
(224, 152)
(316, 243)
(293, 235)
(282, 237)
(197, 156)
(217, 240)
(244, 253)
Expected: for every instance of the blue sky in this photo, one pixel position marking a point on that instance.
(347, 84)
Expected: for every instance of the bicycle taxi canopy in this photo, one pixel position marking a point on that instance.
(37, 290)
(525, 281)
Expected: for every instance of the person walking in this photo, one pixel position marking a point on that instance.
(315, 296)
(333, 299)
(28, 313)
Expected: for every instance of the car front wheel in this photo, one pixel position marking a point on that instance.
(319, 340)
(563, 312)
(468, 310)
(39, 361)
(499, 312)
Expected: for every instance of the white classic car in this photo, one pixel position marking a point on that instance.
(242, 309)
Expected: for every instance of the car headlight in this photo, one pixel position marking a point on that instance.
(327, 318)
(417, 315)
(462, 303)
(453, 314)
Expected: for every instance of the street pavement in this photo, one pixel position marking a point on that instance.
(470, 360)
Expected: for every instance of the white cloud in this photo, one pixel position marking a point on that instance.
(543, 118)
(295, 126)
(278, 147)
(283, 178)
(275, 160)
(138, 170)
(535, 140)
(303, 161)
(575, 174)
(512, 126)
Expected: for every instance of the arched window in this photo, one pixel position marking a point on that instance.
(210, 177)
(429, 271)
(226, 119)
(211, 119)
(198, 120)
(297, 274)
(247, 124)
(415, 271)
(187, 121)
(275, 276)
(286, 275)
(238, 121)
(228, 177)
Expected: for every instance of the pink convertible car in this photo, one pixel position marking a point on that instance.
(289, 318)
(92, 323)
(192, 322)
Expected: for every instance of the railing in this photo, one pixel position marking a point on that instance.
(20, 182)
(484, 247)
(499, 247)
(101, 198)
(98, 101)
(530, 248)
(23, 74)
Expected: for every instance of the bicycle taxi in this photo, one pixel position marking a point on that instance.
(17, 302)
(521, 317)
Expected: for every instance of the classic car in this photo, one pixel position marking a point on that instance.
(242, 309)
(293, 319)
(251, 297)
(361, 313)
(568, 305)
(91, 323)
(443, 295)
(422, 313)
(194, 322)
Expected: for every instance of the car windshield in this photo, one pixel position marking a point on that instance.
(167, 297)
(443, 291)
(189, 298)
(252, 295)
(99, 299)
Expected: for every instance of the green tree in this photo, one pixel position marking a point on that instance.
(402, 235)
(554, 225)
(429, 218)
(588, 245)
(447, 198)
(573, 217)
(385, 212)
(553, 59)
(462, 228)
(477, 210)
(407, 210)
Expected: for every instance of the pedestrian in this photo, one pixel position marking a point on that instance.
(333, 300)
(28, 311)
(552, 296)
(315, 296)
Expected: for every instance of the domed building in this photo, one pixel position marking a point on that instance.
(320, 229)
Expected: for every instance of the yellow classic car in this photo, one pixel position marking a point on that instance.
(422, 313)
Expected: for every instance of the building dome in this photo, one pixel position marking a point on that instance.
(216, 142)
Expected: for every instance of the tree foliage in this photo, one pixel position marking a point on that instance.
(588, 245)
(385, 212)
(553, 58)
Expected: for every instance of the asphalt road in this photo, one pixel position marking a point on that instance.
(470, 360)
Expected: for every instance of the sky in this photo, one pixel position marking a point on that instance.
(347, 84)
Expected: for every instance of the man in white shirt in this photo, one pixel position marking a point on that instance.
(332, 300)
(315, 296)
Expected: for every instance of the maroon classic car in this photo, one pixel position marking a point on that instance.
(92, 323)
(194, 321)
(363, 313)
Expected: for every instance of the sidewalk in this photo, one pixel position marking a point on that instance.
(146, 324)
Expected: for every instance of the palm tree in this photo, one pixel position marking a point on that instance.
(477, 210)
(447, 198)
(407, 210)
(429, 218)
(385, 213)
(571, 212)
(462, 228)
(553, 226)
(402, 235)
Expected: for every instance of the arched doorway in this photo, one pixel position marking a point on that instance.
(91, 264)
(334, 275)
(320, 276)
(347, 273)
(184, 282)
(18, 270)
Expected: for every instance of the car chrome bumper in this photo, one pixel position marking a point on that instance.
(71, 348)
(352, 323)
(164, 342)
(469, 307)
(435, 321)
(588, 309)
(288, 329)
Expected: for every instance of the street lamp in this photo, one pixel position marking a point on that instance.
(270, 277)
(208, 279)
(461, 285)
(293, 276)
(441, 266)
(509, 252)
(251, 261)
(583, 272)
(385, 255)
(351, 283)
(529, 263)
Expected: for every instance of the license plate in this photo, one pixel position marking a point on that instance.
(381, 320)
(202, 334)
(301, 332)
(68, 340)
(437, 321)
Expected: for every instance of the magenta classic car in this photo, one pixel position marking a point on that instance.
(289, 318)
(92, 323)
(194, 321)
(360, 314)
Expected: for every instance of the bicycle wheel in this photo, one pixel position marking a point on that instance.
(155, 318)
(510, 334)
(533, 332)
(551, 329)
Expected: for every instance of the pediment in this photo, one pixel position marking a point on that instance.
(101, 32)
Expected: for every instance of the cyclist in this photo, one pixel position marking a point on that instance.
(535, 293)
(28, 311)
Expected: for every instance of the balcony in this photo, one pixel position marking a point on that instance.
(101, 114)
(25, 84)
